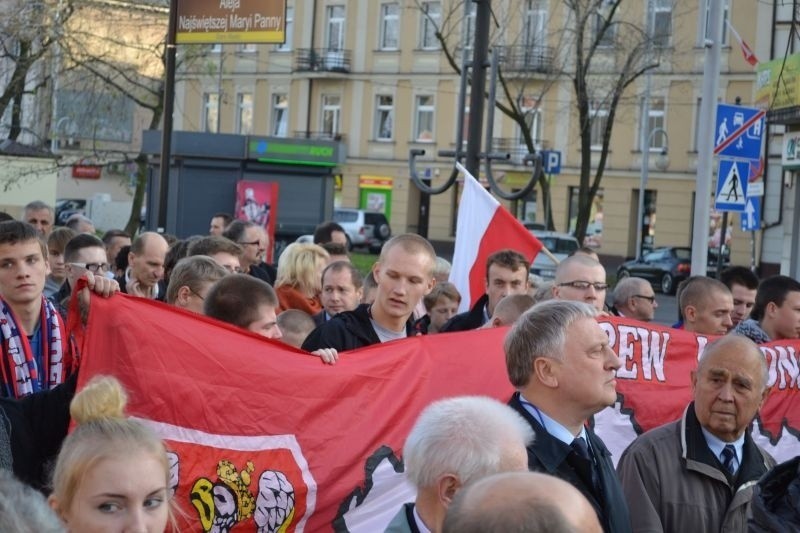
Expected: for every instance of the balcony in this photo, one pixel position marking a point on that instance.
(319, 136)
(322, 60)
(531, 59)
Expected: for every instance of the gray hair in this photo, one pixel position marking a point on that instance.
(464, 436)
(441, 268)
(627, 288)
(541, 332)
(74, 221)
(745, 345)
(24, 509)
(37, 205)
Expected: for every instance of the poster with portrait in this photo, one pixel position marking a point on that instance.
(257, 201)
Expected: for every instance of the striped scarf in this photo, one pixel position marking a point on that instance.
(19, 370)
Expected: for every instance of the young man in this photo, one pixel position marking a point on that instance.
(404, 274)
(36, 354)
(506, 273)
(83, 252)
(191, 280)
(581, 278)
(115, 240)
(218, 224)
(440, 305)
(743, 285)
(246, 302)
(706, 305)
(224, 251)
(776, 313)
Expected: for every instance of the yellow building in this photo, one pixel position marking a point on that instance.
(374, 74)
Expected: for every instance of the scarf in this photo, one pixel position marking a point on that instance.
(19, 370)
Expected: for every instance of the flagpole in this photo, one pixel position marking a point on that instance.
(544, 249)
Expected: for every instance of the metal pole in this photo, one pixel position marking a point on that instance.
(483, 13)
(166, 133)
(644, 139)
(705, 141)
(722, 238)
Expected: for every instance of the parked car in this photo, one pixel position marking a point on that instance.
(664, 268)
(363, 228)
(66, 207)
(561, 245)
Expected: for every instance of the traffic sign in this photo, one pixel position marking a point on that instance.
(551, 161)
(751, 216)
(732, 185)
(738, 131)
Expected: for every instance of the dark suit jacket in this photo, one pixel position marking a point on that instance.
(549, 455)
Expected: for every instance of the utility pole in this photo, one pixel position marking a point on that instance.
(480, 55)
(169, 104)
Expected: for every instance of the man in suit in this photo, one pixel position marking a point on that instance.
(563, 368)
(454, 442)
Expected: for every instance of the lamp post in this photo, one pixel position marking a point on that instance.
(662, 164)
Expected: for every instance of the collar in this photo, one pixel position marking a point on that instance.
(420, 524)
(717, 445)
(550, 425)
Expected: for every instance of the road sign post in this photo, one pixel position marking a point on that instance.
(732, 177)
(738, 131)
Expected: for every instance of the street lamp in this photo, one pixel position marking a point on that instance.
(662, 163)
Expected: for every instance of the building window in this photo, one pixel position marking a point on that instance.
(535, 28)
(280, 115)
(331, 109)
(431, 14)
(662, 23)
(384, 118)
(211, 112)
(423, 129)
(655, 121)
(598, 116)
(244, 113)
(335, 28)
(706, 22)
(390, 26)
(287, 45)
(469, 26)
(533, 121)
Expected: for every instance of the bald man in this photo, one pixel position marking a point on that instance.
(520, 501)
(509, 309)
(706, 305)
(144, 276)
(582, 279)
(634, 298)
(698, 473)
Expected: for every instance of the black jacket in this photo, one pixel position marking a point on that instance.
(36, 425)
(162, 287)
(549, 455)
(776, 500)
(472, 319)
(264, 272)
(347, 331)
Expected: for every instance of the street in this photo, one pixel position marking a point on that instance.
(667, 310)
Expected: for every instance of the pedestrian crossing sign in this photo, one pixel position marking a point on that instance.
(732, 179)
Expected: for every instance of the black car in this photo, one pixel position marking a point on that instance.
(664, 268)
(67, 207)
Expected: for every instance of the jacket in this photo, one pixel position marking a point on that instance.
(403, 521)
(472, 319)
(347, 331)
(775, 505)
(291, 298)
(675, 483)
(551, 456)
(752, 330)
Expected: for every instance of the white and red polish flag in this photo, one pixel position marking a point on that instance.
(747, 52)
(483, 228)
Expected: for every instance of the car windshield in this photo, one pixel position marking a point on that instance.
(559, 246)
(345, 216)
(374, 218)
(684, 254)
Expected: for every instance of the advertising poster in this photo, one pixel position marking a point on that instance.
(257, 201)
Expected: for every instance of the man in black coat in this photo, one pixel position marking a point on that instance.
(563, 368)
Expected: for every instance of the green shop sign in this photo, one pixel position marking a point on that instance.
(293, 151)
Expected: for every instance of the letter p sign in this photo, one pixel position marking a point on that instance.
(551, 160)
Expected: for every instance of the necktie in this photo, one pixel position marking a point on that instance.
(581, 448)
(729, 458)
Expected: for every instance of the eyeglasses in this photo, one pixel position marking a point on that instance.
(584, 285)
(252, 243)
(650, 299)
(93, 267)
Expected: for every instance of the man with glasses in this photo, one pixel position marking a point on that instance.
(83, 252)
(582, 279)
(634, 298)
(253, 240)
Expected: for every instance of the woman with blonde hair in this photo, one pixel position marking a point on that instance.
(299, 281)
(112, 474)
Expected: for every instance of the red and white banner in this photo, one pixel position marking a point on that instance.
(483, 227)
(265, 437)
(747, 52)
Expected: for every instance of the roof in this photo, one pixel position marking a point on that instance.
(11, 147)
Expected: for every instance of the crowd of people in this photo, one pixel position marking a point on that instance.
(533, 464)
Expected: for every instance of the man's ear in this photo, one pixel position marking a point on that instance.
(182, 298)
(690, 313)
(544, 368)
(131, 257)
(447, 487)
(770, 309)
(431, 285)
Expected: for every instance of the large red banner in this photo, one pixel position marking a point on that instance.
(267, 438)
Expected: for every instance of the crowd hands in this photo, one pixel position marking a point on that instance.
(478, 465)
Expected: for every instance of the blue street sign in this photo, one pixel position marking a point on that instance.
(751, 216)
(551, 161)
(732, 185)
(738, 131)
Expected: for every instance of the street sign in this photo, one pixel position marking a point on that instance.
(751, 216)
(551, 161)
(732, 185)
(738, 131)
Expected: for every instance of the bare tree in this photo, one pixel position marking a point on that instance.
(599, 50)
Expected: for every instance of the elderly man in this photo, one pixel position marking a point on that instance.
(80, 224)
(454, 442)
(506, 273)
(706, 305)
(776, 313)
(559, 360)
(39, 215)
(145, 274)
(634, 298)
(697, 473)
(254, 241)
(582, 279)
(520, 501)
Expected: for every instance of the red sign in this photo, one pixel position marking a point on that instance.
(257, 201)
(87, 172)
